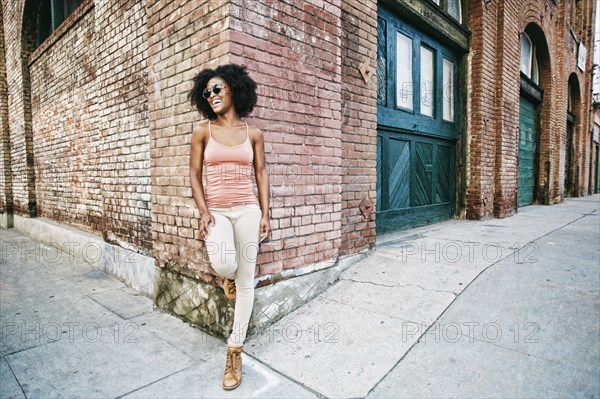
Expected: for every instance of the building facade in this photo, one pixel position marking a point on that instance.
(377, 116)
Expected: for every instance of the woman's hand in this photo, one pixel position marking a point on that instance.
(206, 219)
(265, 228)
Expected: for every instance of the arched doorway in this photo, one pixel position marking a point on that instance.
(573, 103)
(534, 71)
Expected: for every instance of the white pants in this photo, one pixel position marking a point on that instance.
(232, 247)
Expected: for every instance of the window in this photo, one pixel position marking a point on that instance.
(529, 60)
(425, 77)
(52, 13)
(570, 98)
(404, 80)
(452, 7)
(382, 75)
(427, 86)
(419, 78)
(448, 74)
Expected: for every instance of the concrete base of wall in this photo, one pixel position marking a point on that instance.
(205, 305)
(135, 270)
(6, 220)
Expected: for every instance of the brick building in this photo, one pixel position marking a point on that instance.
(427, 110)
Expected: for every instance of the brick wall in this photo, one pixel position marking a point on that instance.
(293, 50)
(493, 101)
(19, 109)
(6, 202)
(121, 112)
(508, 45)
(183, 38)
(63, 90)
(481, 106)
(78, 123)
(359, 123)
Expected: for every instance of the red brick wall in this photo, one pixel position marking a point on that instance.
(292, 49)
(359, 123)
(481, 106)
(507, 110)
(183, 38)
(493, 102)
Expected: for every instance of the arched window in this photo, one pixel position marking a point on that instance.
(529, 59)
(570, 98)
(52, 13)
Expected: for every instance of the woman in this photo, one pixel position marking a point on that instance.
(231, 219)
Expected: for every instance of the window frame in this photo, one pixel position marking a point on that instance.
(59, 12)
(532, 61)
(397, 106)
(443, 6)
(402, 118)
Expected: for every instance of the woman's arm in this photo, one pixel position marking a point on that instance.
(196, 160)
(262, 181)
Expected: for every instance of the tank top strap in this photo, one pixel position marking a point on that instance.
(209, 130)
(247, 134)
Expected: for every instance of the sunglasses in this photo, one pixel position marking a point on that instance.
(216, 89)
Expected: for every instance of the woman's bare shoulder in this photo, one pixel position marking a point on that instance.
(200, 132)
(255, 133)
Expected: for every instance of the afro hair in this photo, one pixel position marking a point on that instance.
(243, 89)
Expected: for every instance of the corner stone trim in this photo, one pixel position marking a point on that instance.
(205, 305)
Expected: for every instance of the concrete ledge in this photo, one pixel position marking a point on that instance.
(205, 305)
(132, 268)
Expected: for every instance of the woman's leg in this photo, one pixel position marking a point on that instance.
(246, 226)
(220, 246)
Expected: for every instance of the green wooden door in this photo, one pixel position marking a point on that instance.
(417, 126)
(568, 189)
(596, 169)
(527, 151)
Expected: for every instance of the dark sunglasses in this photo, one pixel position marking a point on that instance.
(206, 93)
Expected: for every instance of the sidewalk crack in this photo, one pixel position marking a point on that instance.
(368, 282)
(398, 285)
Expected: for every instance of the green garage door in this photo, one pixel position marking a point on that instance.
(527, 151)
(417, 126)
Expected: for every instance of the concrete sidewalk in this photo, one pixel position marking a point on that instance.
(498, 308)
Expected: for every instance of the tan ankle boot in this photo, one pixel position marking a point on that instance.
(229, 288)
(233, 368)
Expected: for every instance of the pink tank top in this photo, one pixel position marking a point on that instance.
(229, 173)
